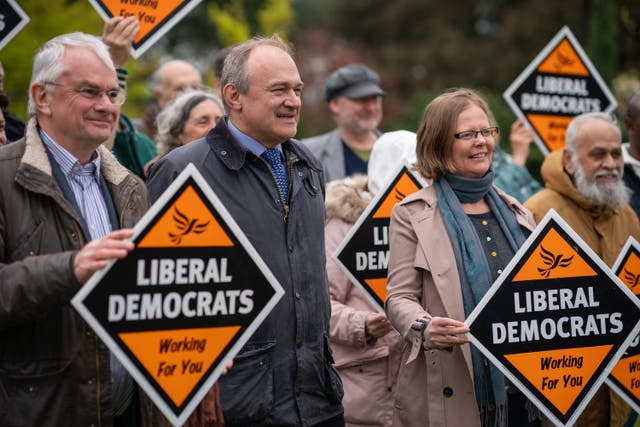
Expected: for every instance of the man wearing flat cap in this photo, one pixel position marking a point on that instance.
(354, 96)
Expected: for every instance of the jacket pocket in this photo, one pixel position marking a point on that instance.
(246, 392)
(311, 183)
(332, 382)
(30, 243)
(32, 391)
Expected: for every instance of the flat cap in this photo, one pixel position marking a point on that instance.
(353, 81)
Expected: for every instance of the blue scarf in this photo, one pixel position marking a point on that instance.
(475, 276)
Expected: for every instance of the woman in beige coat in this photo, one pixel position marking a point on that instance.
(448, 244)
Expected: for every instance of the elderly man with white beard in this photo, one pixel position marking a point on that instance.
(583, 183)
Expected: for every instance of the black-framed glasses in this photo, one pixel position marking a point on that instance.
(94, 93)
(467, 135)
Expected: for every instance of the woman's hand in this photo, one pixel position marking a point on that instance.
(445, 332)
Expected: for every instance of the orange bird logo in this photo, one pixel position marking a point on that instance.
(552, 261)
(399, 195)
(186, 225)
(631, 280)
(562, 61)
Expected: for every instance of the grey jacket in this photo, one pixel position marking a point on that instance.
(283, 376)
(54, 370)
(328, 149)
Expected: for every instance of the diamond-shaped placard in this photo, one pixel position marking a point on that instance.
(155, 17)
(556, 321)
(363, 254)
(560, 83)
(625, 376)
(12, 20)
(185, 300)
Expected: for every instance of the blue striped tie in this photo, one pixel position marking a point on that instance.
(274, 158)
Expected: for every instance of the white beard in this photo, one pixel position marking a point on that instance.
(610, 195)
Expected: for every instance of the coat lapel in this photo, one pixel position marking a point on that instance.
(431, 233)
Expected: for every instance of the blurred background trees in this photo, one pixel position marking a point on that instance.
(419, 47)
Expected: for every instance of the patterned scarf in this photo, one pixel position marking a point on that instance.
(475, 276)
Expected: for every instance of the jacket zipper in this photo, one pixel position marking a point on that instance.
(289, 186)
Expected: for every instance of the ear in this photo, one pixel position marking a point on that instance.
(232, 97)
(157, 94)
(333, 106)
(567, 162)
(41, 98)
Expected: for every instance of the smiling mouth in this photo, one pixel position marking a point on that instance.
(478, 156)
(287, 116)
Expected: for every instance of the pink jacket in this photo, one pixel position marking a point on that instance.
(435, 387)
(368, 371)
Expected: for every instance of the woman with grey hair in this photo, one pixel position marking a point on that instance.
(187, 118)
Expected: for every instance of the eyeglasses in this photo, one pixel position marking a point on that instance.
(94, 93)
(468, 135)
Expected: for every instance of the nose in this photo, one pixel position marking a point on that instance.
(610, 162)
(293, 100)
(104, 104)
(479, 139)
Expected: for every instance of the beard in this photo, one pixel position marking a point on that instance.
(361, 125)
(610, 195)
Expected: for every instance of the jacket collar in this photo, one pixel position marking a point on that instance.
(347, 198)
(36, 157)
(234, 156)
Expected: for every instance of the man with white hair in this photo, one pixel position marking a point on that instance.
(66, 209)
(583, 183)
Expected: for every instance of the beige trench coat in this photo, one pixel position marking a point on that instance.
(435, 387)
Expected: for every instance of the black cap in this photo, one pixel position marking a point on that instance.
(353, 81)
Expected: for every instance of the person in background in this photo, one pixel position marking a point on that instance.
(14, 127)
(191, 116)
(583, 183)
(631, 151)
(131, 147)
(66, 209)
(186, 119)
(170, 80)
(366, 348)
(354, 96)
(4, 102)
(448, 243)
(512, 176)
(272, 186)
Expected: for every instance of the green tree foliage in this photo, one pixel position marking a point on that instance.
(231, 22)
(602, 38)
(238, 20)
(275, 17)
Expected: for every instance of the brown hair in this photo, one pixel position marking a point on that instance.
(434, 150)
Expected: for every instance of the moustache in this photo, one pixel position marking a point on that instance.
(606, 173)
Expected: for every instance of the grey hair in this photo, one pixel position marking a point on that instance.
(48, 64)
(171, 120)
(581, 120)
(234, 71)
